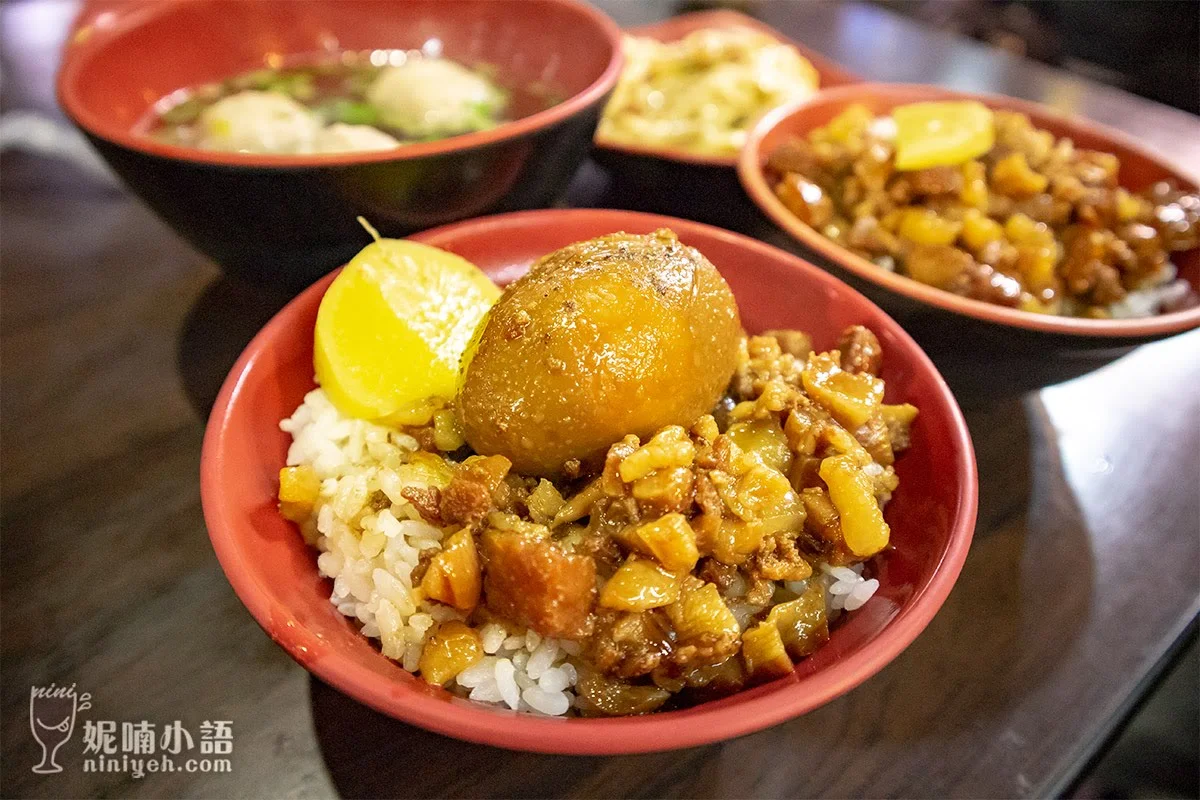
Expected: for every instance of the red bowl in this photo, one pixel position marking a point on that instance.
(275, 574)
(1139, 169)
(675, 28)
(291, 218)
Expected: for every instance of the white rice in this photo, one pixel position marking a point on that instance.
(370, 556)
(845, 587)
(1167, 290)
(1150, 301)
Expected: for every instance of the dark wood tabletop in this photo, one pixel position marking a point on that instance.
(1083, 577)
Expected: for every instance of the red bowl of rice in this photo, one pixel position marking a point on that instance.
(273, 571)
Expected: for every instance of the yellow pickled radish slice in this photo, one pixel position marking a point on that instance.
(942, 134)
(393, 326)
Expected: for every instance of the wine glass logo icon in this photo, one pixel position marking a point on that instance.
(52, 711)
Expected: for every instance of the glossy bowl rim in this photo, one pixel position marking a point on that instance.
(751, 174)
(97, 125)
(652, 733)
(732, 18)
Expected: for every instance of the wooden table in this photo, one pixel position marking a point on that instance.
(1084, 575)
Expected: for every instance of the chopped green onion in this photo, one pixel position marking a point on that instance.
(258, 79)
(355, 113)
(185, 112)
(303, 86)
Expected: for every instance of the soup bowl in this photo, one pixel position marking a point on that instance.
(287, 219)
(942, 315)
(275, 574)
